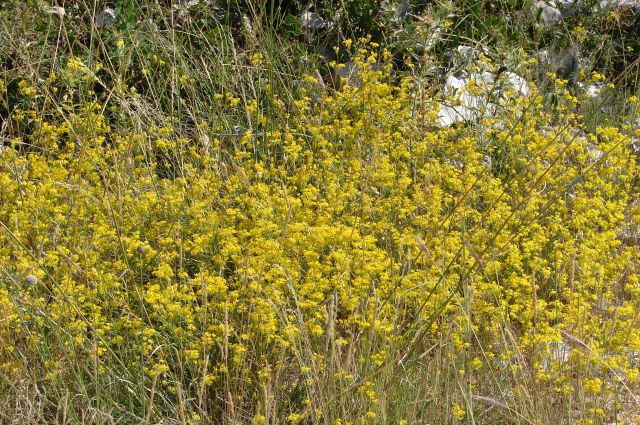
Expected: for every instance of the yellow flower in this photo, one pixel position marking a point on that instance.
(458, 411)
(593, 386)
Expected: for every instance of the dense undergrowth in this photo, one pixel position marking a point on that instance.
(240, 243)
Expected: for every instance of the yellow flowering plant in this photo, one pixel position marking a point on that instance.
(319, 271)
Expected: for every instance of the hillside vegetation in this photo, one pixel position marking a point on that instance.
(347, 212)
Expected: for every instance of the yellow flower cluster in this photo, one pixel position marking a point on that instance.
(348, 241)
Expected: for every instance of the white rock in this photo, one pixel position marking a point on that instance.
(464, 106)
(595, 154)
(448, 116)
(517, 83)
(593, 90)
(313, 20)
(467, 53)
(550, 15)
(461, 105)
(454, 83)
(566, 4)
(485, 77)
(619, 4)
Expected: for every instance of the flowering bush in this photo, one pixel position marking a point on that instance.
(358, 265)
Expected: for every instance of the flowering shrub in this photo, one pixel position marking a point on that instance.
(314, 271)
